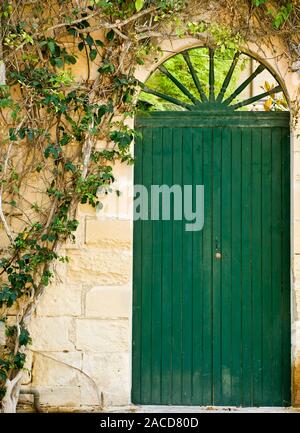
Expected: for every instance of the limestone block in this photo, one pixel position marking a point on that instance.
(296, 267)
(296, 237)
(103, 267)
(108, 302)
(90, 393)
(296, 165)
(4, 241)
(118, 205)
(64, 396)
(86, 209)
(61, 299)
(295, 137)
(296, 205)
(296, 298)
(111, 374)
(51, 333)
(56, 369)
(108, 233)
(102, 335)
(2, 333)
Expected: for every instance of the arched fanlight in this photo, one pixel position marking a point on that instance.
(211, 98)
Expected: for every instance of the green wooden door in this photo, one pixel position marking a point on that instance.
(209, 330)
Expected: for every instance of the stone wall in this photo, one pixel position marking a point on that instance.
(82, 328)
(81, 351)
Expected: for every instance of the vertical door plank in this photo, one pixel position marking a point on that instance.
(246, 298)
(177, 318)
(197, 306)
(156, 353)
(217, 308)
(167, 277)
(266, 263)
(276, 330)
(236, 234)
(137, 280)
(286, 278)
(226, 251)
(187, 298)
(257, 251)
(146, 286)
(207, 267)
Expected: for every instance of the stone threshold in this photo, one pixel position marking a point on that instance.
(158, 409)
(199, 409)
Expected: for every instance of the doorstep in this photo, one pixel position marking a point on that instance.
(199, 409)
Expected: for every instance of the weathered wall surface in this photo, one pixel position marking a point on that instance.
(81, 351)
(81, 332)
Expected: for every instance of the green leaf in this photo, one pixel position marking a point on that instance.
(139, 4)
(72, 31)
(52, 47)
(24, 337)
(59, 63)
(81, 46)
(259, 2)
(110, 35)
(106, 68)
(89, 40)
(70, 60)
(70, 167)
(21, 133)
(19, 360)
(93, 54)
(12, 134)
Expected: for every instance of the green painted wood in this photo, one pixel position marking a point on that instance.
(236, 270)
(246, 269)
(167, 98)
(180, 86)
(243, 86)
(177, 317)
(216, 268)
(276, 266)
(167, 276)
(262, 95)
(286, 277)
(211, 76)
(187, 287)
(266, 262)
(256, 245)
(209, 330)
(146, 277)
(156, 337)
(228, 77)
(194, 75)
(241, 119)
(211, 103)
(197, 256)
(207, 260)
(137, 282)
(226, 267)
